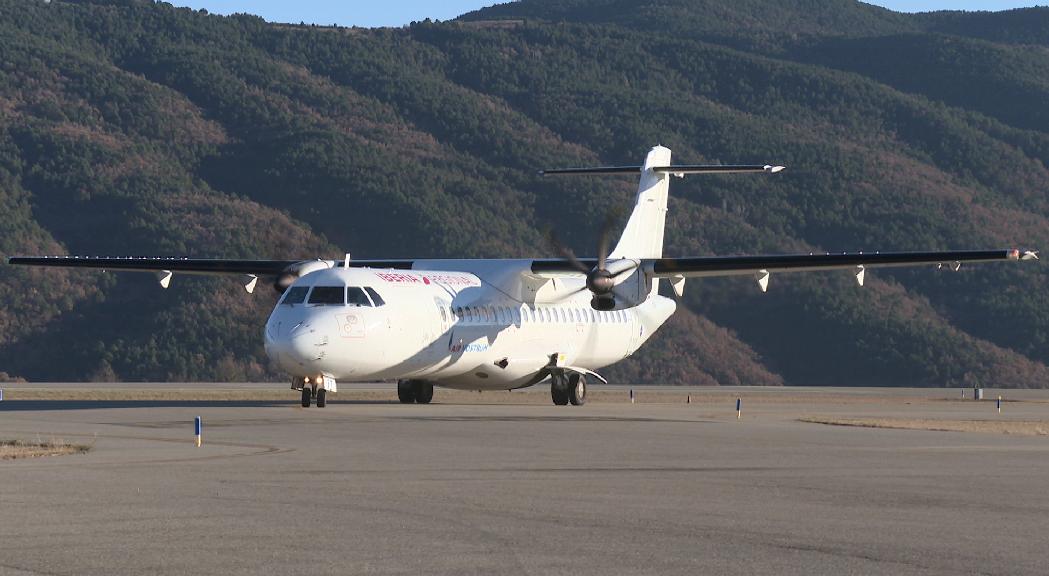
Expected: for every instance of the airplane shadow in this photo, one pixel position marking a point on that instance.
(47, 405)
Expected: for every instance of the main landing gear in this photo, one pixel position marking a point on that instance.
(312, 388)
(568, 388)
(418, 391)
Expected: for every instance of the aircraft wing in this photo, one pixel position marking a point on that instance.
(762, 266)
(180, 265)
(194, 265)
(285, 271)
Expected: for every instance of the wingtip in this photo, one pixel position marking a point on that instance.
(774, 169)
(1016, 254)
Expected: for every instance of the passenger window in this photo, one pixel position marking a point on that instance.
(295, 295)
(355, 296)
(459, 312)
(375, 296)
(469, 314)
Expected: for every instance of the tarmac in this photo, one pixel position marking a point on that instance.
(505, 484)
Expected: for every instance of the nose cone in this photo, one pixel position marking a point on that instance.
(297, 348)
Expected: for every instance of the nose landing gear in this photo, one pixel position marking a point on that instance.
(314, 387)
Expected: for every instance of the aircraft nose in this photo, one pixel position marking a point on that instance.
(295, 347)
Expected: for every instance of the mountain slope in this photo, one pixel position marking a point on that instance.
(132, 127)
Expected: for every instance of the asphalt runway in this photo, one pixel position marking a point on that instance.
(375, 487)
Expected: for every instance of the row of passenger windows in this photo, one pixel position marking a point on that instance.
(333, 296)
(507, 315)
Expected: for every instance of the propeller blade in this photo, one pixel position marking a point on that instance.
(564, 251)
(604, 240)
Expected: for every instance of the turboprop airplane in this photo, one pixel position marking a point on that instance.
(496, 324)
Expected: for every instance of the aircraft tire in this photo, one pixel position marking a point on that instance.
(322, 399)
(423, 392)
(559, 390)
(405, 391)
(576, 390)
(307, 396)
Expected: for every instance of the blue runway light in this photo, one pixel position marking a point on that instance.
(197, 430)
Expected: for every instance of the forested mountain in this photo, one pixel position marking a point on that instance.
(134, 128)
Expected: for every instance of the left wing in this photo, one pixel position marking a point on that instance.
(762, 266)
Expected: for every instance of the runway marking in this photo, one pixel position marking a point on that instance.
(33, 571)
(261, 450)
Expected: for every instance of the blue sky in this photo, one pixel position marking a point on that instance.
(400, 12)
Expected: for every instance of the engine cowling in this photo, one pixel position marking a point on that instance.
(292, 273)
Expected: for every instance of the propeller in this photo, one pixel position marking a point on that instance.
(600, 280)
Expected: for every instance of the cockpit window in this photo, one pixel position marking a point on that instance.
(295, 295)
(331, 295)
(356, 297)
(375, 296)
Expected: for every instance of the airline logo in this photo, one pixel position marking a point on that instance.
(442, 278)
(459, 346)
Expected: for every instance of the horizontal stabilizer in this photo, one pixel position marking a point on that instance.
(676, 170)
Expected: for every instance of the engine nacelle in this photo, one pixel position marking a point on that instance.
(298, 270)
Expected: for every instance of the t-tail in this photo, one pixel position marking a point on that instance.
(643, 235)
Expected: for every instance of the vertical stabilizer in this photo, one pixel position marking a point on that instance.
(643, 235)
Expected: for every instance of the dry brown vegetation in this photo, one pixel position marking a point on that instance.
(1018, 427)
(12, 449)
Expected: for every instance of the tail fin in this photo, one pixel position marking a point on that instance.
(643, 235)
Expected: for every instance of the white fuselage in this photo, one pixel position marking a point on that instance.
(491, 328)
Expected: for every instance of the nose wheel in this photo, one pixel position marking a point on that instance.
(314, 390)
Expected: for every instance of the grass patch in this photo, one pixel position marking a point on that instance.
(12, 449)
(1018, 427)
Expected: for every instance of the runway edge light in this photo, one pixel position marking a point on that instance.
(197, 430)
(739, 408)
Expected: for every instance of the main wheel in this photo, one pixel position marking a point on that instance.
(423, 392)
(307, 396)
(559, 390)
(322, 398)
(577, 390)
(405, 391)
